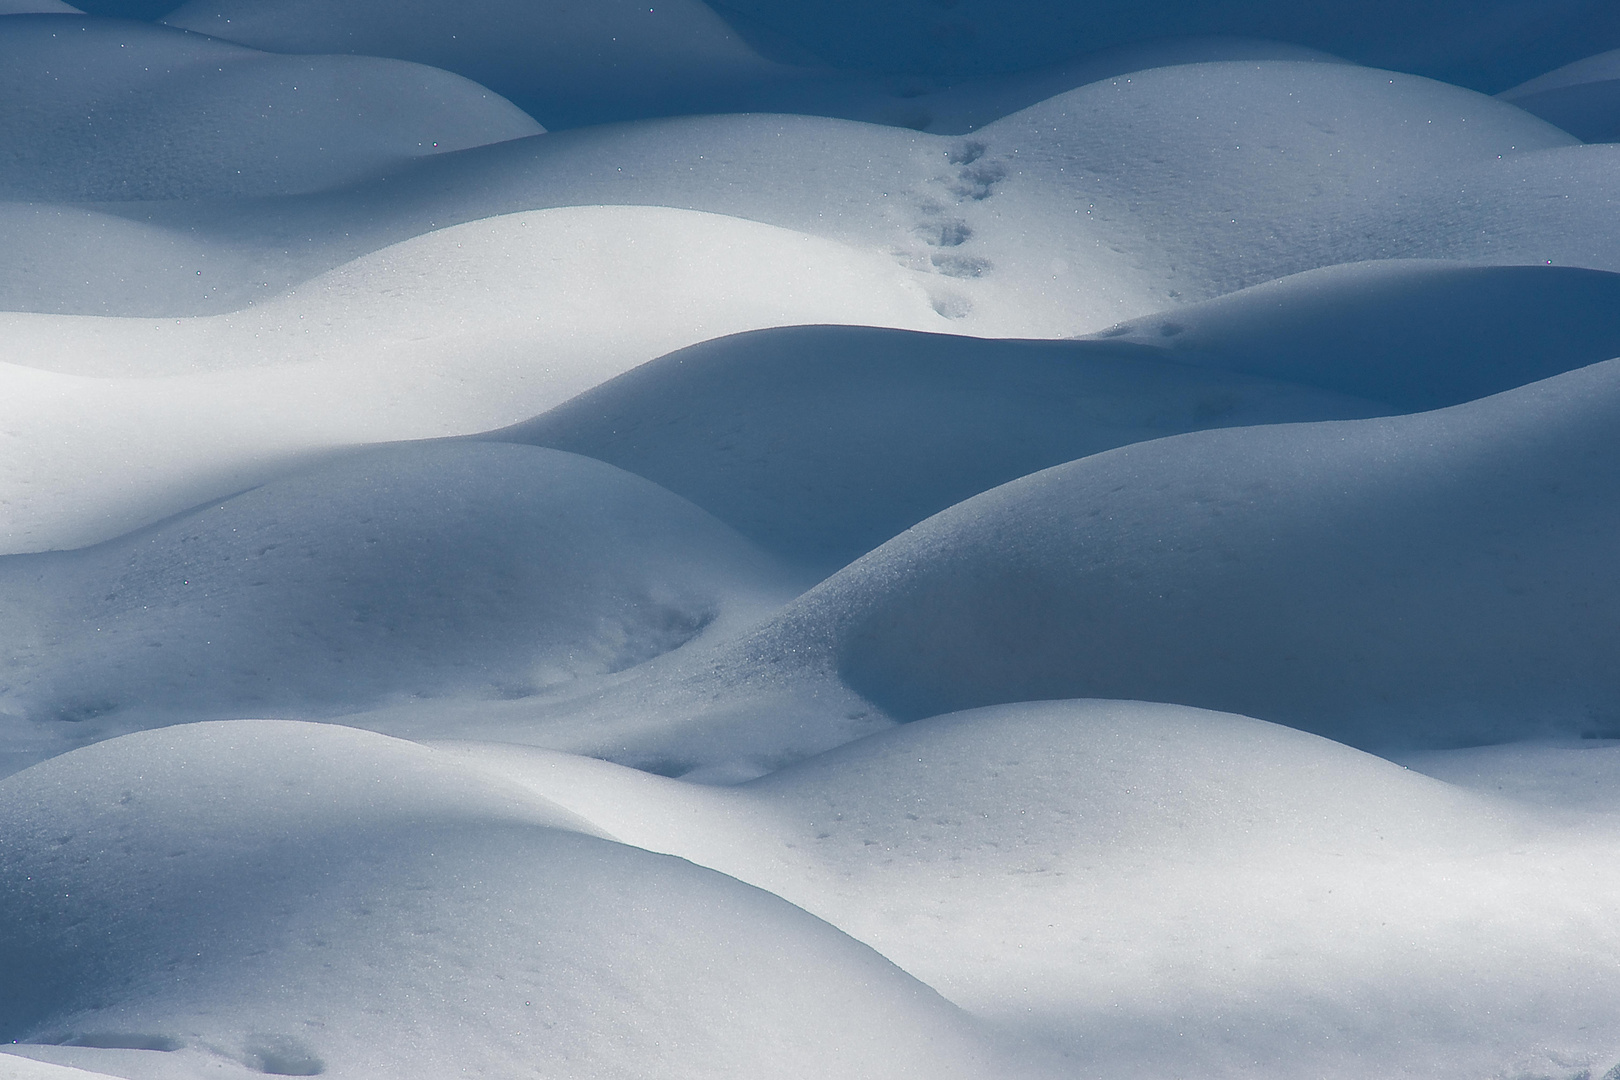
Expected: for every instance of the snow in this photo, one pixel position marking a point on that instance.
(422, 570)
(568, 63)
(1440, 579)
(1414, 582)
(962, 846)
(1583, 98)
(1486, 45)
(822, 442)
(899, 539)
(112, 111)
(1414, 334)
(431, 921)
(437, 336)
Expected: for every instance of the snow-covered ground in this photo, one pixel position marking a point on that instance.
(844, 538)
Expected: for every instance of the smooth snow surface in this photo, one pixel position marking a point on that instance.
(1583, 98)
(1108, 202)
(1485, 44)
(900, 538)
(565, 61)
(1417, 335)
(432, 923)
(822, 442)
(1143, 883)
(1434, 580)
(112, 110)
(126, 421)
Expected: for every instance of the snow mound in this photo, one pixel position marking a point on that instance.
(1583, 98)
(968, 104)
(1417, 335)
(455, 332)
(110, 110)
(568, 62)
(436, 571)
(432, 570)
(432, 923)
(573, 64)
(821, 442)
(1224, 175)
(1431, 580)
(1167, 891)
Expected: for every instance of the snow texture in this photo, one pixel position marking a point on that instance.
(909, 538)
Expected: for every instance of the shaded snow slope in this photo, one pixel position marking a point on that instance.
(111, 110)
(431, 923)
(1425, 580)
(567, 62)
(417, 571)
(1431, 580)
(741, 583)
(821, 442)
(21, 1068)
(1168, 891)
(1576, 775)
(1486, 45)
(1414, 334)
(967, 104)
(1583, 98)
(572, 64)
(455, 332)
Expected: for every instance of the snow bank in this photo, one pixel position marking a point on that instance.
(431, 923)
